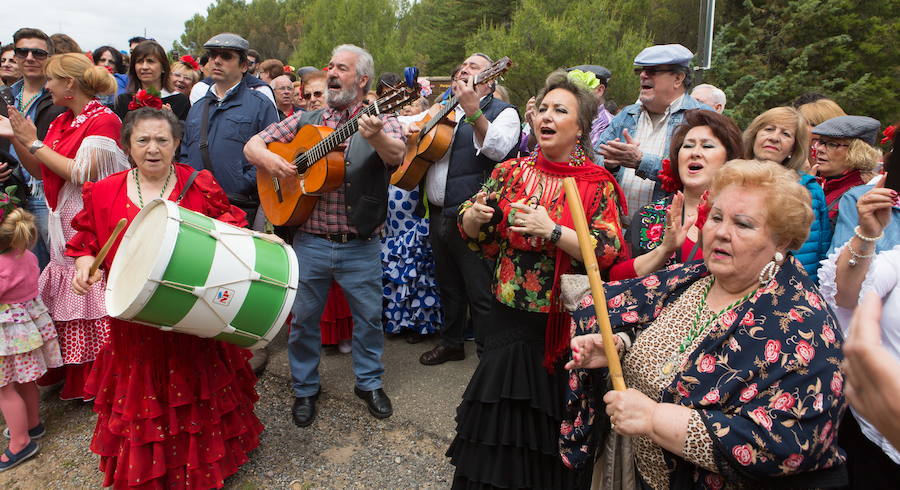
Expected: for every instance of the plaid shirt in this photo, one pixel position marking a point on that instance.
(330, 214)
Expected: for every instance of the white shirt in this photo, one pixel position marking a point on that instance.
(200, 89)
(501, 137)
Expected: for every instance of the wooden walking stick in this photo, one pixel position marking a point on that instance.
(588, 244)
(106, 246)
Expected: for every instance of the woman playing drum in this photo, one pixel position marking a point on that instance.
(173, 409)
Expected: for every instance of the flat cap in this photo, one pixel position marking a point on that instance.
(601, 71)
(303, 70)
(227, 40)
(862, 127)
(664, 54)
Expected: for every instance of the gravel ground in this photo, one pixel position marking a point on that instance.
(345, 447)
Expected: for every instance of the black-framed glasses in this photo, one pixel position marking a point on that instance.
(37, 53)
(316, 94)
(651, 70)
(829, 145)
(224, 54)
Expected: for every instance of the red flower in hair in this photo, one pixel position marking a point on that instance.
(145, 98)
(109, 69)
(702, 210)
(189, 60)
(888, 134)
(288, 69)
(668, 179)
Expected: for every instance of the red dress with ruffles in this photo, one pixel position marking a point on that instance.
(174, 410)
(336, 323)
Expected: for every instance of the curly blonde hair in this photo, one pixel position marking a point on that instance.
(788, 209)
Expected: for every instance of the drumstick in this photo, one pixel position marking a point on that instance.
(588, 244)
(106, 246)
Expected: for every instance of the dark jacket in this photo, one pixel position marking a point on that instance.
(232, 122)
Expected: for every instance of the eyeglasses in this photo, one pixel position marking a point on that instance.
(225, 55)
(38, 54)
(316, 94)
(829, 145)
(651, 70)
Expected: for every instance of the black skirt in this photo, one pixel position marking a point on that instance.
(507, 428)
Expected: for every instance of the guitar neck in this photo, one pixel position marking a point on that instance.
(334, 139)
(451, 104)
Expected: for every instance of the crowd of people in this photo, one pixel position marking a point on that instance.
(749, 272)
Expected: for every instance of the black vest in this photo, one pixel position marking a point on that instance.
(468, 171)
(365, 180)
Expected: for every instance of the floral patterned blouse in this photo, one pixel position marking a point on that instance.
(525, 265)
(764, 382)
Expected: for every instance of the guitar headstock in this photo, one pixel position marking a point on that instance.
(396, 97)
(494, 71)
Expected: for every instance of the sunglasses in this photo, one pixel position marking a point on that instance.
(316, 94)
(225, 55)
(651, 70)
(38, 54)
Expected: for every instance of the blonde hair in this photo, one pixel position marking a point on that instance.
(187, 70)
(17, 231)
(784, 116)
(820, 111)
(788, 210)
(90, 78)
(862, 156)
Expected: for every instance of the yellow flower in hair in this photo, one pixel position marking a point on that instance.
(583, 79)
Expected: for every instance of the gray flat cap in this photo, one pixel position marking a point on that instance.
(303, 70)
(601, 71)
(227, 40)
(862, 127)
(664, 54)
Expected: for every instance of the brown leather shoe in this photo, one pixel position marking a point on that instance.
(442, 354)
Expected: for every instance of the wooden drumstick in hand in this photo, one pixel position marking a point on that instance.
(106, 246)
(588, 244)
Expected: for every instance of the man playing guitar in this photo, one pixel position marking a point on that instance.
(487, 132)
(340, 239)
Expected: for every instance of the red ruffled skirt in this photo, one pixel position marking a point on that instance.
(174, 410)
(336, 323)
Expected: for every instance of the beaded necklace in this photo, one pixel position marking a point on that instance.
(137, 182)
(669, 367)
(23, 106)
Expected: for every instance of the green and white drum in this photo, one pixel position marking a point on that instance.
(182, 271)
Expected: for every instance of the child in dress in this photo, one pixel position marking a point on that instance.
(28, 343)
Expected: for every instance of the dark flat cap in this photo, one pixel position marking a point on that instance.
(227, 40)
(601, 71)
(862, 127)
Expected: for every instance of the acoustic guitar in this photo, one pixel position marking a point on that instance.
(320, 163)
(435, 134)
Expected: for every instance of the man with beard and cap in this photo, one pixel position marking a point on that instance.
(486, 133)
(340, 240)
(637, 140)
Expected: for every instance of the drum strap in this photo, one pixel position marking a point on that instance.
(204, 136)
(187, 185)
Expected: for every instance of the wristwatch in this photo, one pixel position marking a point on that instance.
(37, 145)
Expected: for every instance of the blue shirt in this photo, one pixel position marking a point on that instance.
(18, 90)
(848, 218)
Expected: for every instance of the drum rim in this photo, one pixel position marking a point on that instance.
(157, 270)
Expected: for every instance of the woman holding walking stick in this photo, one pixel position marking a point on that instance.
(511, 410)
(734, 373)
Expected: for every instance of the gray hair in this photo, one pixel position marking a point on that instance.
(715, 93)
(365, 65)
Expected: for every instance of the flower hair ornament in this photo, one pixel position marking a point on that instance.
(583, 79)
(190, 61)
(888, 134)
(770, 270)
(146, 98)
(288, 69)
(668, 179)
(424, 87)
(8, 201)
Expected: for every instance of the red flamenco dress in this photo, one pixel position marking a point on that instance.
(336, 323)
(174, 410)
(82, 325)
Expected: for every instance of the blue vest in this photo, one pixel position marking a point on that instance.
(468, 171)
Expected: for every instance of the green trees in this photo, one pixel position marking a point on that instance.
(772, 51)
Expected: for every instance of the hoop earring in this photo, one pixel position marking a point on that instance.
(770, 270)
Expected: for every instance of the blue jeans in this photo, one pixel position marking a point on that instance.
(356, 266)
(38, 207)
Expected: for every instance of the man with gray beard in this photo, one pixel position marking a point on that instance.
(340, 240)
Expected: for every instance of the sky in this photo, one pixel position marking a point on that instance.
(94, 23)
